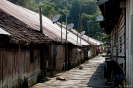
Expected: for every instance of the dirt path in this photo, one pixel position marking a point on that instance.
(90, 76)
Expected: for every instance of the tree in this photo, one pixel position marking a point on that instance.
(87, 8)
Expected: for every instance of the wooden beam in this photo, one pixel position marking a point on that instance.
(101, 2)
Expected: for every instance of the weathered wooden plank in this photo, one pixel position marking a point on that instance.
(59, 57)
(27, 60)
(4, 67)
(10, 67)
(21, 65)
(15, 69)
(14, 64)
(36, 59)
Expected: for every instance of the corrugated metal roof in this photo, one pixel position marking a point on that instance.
(96, 42)
(20, 32)
(32, 19)
(3, 32)
(88, 39)
(72, 37)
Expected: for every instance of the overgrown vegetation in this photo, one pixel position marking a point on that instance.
(86, 8)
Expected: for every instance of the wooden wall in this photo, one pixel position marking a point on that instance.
(93, 51)
(122, 39)
(60, 55)
(15, 66)
(54, 56)
(118, 40)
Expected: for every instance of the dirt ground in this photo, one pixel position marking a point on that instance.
(90, 76)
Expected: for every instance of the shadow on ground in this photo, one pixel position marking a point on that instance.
(97, 80)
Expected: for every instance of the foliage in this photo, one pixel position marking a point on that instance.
(82, 13)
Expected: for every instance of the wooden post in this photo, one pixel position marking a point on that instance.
(40, 11)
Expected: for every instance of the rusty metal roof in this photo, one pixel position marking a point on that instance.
(28, 17)
(19, 32)
(90, 40)
(72, 37)
(31, 18)
(86, 38)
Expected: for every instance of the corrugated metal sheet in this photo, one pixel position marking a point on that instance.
(20, 32)
(88, 39)
(4, 32)
(32, 19)
(93, 41)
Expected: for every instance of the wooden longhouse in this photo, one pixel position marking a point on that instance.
(118, 15)
(20, 52)
(26, 53)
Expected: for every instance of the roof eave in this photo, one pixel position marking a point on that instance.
(111, 11)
